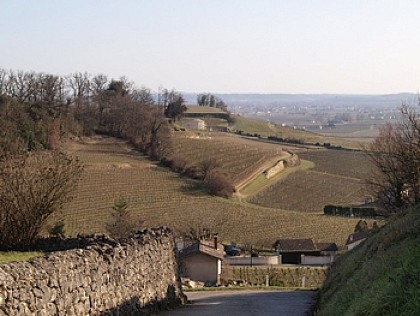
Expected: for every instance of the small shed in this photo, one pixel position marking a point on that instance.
(291, 250)
(196, 124)
(202, 261)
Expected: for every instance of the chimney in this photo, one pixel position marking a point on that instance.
(215, 242)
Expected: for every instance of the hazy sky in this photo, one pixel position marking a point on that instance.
(261, 46)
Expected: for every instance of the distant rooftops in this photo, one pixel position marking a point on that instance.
(306, 244)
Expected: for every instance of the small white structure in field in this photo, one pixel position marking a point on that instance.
(196, 124)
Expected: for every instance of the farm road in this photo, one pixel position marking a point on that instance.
(252, 176)
(246, 303)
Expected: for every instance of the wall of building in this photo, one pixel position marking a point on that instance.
(317, 260)
(255, 261)
(200, 267)
(104, 277)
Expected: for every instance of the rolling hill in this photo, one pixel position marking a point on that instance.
(160, 197)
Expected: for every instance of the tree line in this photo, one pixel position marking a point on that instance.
(38, 109)
(208, 99)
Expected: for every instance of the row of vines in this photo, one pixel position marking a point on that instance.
(161, 197)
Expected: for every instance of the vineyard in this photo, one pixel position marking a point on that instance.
(160, 197)
(353, 164)
(338, 177)
(238, 157)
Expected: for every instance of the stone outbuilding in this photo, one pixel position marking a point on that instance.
(195, 124)
(202, 261)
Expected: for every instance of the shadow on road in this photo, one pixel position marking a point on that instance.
(244, 303)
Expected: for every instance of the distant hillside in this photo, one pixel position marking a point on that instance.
(379, 277)
(247, 99)
(161, 197)
(202, 110)
(266, 129)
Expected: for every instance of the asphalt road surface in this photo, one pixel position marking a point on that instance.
(246, 303)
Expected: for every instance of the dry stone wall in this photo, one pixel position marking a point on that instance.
(131, 277)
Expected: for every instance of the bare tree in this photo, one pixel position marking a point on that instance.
(208, 165)
(80, 86)
(395, 154)
(3, 81)
(160, 144)
(33, 186)
(143, 95)
(175, 105)
(219, 184)
(207, 99)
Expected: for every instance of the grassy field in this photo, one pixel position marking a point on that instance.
(203, 109)
(161, 197)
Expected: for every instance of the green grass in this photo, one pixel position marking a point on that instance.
(261, 182)
(379, 277)
(10, 256)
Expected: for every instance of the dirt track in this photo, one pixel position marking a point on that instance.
(251, 177)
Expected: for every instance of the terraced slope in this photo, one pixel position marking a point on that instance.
(161, 197)
(238, 157)
(338, 177)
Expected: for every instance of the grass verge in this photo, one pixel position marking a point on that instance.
(261, 182)
(10, 256)
(379, 277)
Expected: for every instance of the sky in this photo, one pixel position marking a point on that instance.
(221, 46)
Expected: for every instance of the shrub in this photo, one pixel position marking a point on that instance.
(58, 230)
(122, 223)
(178, 164)
(32, 187)
(194, 172)
(219, 184)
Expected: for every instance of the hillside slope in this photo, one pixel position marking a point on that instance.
(265, 129)
(379, 277)
(161, 197)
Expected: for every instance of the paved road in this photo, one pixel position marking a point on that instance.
(246, 303)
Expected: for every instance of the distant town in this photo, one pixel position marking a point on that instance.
(348, 116)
